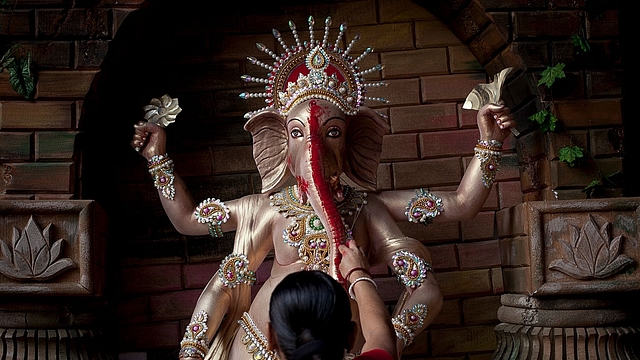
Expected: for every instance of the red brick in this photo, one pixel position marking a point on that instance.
(360, 12)
(564, 176)
(399, 147)
(604, 83)
(480, 227)
(447, 143)
(606, 141)
(90, 53)
(423, 118)
(37, 115)
(481, 254)
(382, 37)
(509, 169)
(530, 24)
(194, 163)
(131, 310)
(462, 60)
(517, 280)
(450, 87)
(66, 84)
(389, 288)
(515, 251)
(434, 33)
(469, 22)
(410, 63)
(426, 173)
(54, 196)
(15, 146)
(450, 314)
(53, 145)
(467, 118)
(510, 193)
(49, 54)
(492, 200)
(497, 280)
(605, 26)
(73, 23)
(397, 92)
(15, 23)
(534, 53)
(41, 177)
(173, 305)
(154, 278)
(384, 176)
(198, 275)
(465, 283)
(402, 10)
(436, 232)
(443, 257)
(487, 43)
(463, 340)
(589, 113)
(149, 336)
(481, 310)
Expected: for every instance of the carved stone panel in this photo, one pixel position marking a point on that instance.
(573, 247)
(51, 247)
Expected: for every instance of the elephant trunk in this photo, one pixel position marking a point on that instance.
(320, 194)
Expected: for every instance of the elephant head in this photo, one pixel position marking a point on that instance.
(316, 143)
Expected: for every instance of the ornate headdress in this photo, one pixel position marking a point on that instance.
(313, 70)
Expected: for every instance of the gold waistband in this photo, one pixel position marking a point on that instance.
(254, 341)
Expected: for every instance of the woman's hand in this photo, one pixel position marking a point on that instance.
(494, 121)
(149, 139)
(352, 258)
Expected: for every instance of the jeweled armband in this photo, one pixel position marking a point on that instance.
(423, 207)
(234, 270)
(410, 268)
(489, 153)
(408, 322)
(161, 170)
(194, 341)
(213, 212)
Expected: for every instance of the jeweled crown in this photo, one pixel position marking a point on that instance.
(313, 70)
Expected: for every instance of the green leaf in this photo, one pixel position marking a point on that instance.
(550, 74)
(580, 42)
(21, 78)
(545, 119)
(572, 155)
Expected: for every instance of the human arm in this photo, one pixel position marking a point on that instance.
(150, 141)
(375, 320)
(494, 123)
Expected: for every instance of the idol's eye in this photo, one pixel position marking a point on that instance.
(296, 133)
(334, 133)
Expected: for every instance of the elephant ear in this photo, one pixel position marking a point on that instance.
(269, 147)
(364, 147)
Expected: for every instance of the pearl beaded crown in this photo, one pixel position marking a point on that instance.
(313, 70)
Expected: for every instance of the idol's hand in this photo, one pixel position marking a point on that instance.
(494, 121)
(149, 139)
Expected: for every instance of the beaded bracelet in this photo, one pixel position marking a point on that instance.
(366, 271)
(364, 278)
(161, 170)
(489, 152)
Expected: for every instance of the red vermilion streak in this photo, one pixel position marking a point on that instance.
(316, 149)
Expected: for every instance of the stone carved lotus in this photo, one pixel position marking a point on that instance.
(591, 253)
(30, 256)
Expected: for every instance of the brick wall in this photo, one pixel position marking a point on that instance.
(99, 62)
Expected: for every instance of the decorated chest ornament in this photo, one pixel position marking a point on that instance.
(312, 70)
(423, 207)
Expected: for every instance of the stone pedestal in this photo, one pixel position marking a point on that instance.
(51, 280)
(571, 280)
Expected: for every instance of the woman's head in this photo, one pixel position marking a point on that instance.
(310, 315)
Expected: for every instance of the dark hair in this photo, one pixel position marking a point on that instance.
(311, 316)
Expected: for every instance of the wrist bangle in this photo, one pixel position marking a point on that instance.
(364, 278)
(366, 271)
(161, 170)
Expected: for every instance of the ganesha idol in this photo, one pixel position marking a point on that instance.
(314, 131)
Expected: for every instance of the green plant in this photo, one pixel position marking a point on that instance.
(20, 72)
(572, 155)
